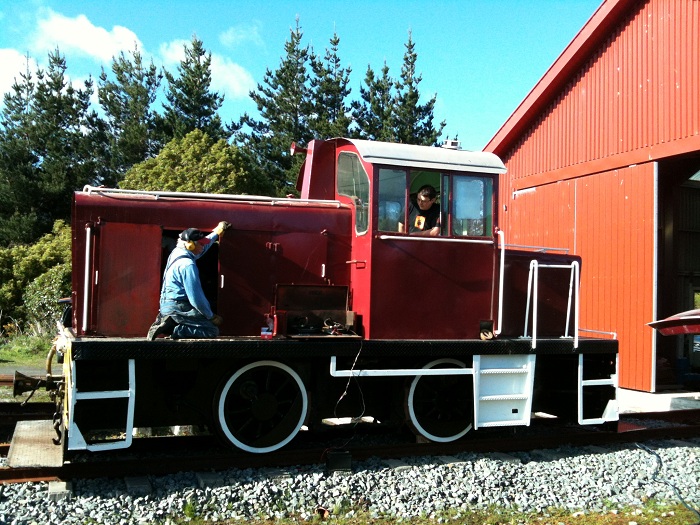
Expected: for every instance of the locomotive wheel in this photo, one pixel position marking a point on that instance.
(262, 406)
(440, 407)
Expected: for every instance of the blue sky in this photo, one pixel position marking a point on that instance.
(480, 57)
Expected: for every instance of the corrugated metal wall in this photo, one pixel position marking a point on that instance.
(608, 219)
(582, 176)
(615, 231)
(641, 88)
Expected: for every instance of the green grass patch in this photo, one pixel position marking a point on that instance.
(652, 513)
(27, 354)
(25, 351)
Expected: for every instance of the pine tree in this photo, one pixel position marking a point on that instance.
(51, 144)
(190, 102)
(18, 178)
(389, 109)
(284, 104)
(330, 116)
(373, 115)
(413, 122)
(127, 101)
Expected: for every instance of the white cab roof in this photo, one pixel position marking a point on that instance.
(428, 157)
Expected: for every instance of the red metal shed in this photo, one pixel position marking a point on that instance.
(603, 159)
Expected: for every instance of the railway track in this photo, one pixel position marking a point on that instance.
(6, 380)
(167, 455)
(11, 412)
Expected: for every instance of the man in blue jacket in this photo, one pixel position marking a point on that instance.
(185, 312)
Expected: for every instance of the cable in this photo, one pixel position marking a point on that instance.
(345, 393)
(347, 386)
(654, 477)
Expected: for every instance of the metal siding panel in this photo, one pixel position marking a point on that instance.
(612, 214)
(638, 90)
(615, 235)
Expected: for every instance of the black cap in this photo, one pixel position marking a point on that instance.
(193, 234)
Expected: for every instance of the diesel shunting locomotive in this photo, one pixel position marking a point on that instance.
(331, 308)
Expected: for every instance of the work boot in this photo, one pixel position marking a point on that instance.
(163, 325)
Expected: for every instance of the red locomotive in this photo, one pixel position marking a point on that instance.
(443, 333)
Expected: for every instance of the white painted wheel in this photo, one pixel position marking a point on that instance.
(440, 408)
(262, 406)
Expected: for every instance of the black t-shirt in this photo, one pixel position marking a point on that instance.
(423, 220)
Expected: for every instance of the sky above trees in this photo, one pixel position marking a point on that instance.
(480, 58)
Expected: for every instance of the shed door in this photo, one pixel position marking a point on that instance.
(128, 278)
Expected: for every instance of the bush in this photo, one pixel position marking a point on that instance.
(33, 278)
(41, 298)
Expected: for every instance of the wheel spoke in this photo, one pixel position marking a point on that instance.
(262, 406)
(439, 407)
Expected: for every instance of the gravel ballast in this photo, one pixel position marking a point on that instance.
(577, 479)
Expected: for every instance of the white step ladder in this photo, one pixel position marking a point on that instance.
(76, 440)
(503, 389)
(611, 411)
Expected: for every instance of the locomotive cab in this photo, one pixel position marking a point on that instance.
(406, 284)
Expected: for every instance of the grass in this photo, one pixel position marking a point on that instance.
(652, 513)
(25, 352)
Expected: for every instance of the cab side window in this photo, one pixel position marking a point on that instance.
(353, 182)
(392, 196)
(472, 213)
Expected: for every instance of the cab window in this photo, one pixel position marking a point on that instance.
(392, 196)
(398, 192)
(471, 211)
(353, 182)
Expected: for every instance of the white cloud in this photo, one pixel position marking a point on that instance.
(80, 36)
(172, 53)
(229, 78)
(235, 36)
(13, 63)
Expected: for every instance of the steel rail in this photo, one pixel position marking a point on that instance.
(146, 457)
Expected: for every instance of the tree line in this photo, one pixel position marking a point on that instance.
(53, 140)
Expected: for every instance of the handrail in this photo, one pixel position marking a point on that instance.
(432, 239)
(532, 291)
(501, 274)
(216, 196)
(589, 330)
(539, 249)
(396, 372)
(86, 280)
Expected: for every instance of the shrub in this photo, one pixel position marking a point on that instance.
(33, 277)
(41, 297)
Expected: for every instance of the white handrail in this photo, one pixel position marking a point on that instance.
(215, 196)
(397, 372)
(86, 280)
(501, 240)
(532, 291)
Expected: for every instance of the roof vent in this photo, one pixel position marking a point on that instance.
(451, 144)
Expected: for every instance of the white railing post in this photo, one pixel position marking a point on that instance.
(501, 240)
(532, 296)
(86, 280)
